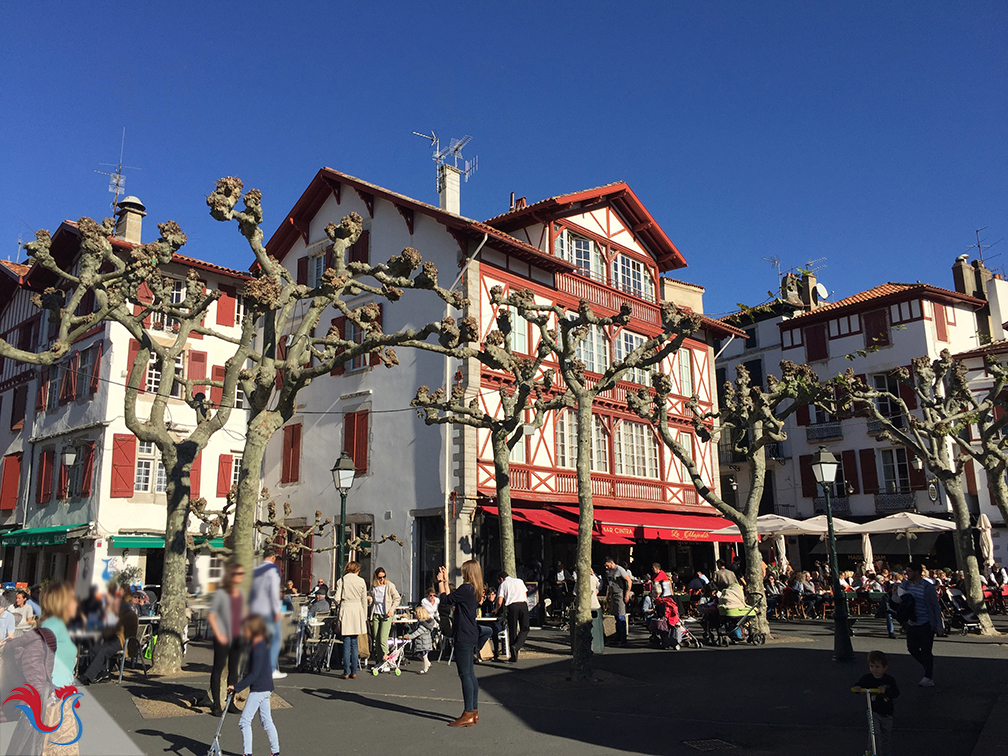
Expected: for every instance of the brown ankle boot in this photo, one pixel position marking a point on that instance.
(468, 719)
(475, 716)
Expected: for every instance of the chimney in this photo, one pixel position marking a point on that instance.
(963, 276)
(449, 188)
(807, 291)
(981, 276)
(129, 219)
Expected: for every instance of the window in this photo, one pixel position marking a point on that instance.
(361, 249)
(153, 374)
(356, 334)
(752, 338)
(838, 488)
(518, 337)
(176, 296)
(239, 397)
(895, 471)
(626, 342)
(85, 370)
(215, 570)
(583, 253)
(239, 308)
(815, 343)
(235, 470)
(355, 438)
(28, 336)
(876, 329)
(517, 455)
(56, 373)
(593, 350)
(819, 416)
(600, 446)
(887, 406)
(566, 442)
(18, 407)
(636, 450)
(177, 387)
(291, 462)
(633, 277)
(685, 372)
(755, 368)
(316, 267)
(150, 472)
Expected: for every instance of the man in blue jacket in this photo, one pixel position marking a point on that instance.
(264, 600)
(927, 620)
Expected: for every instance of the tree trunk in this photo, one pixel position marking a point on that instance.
(168, 649)
(999, 490)
(581, 621)
(260, 429)
(968, 564)
(754, 592)
(502, 463)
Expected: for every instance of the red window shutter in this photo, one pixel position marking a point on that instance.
(361, 249)
(63, 489)
(197, 369)
(285, 456)
(350, 435)
(123, 465)
(340, 324)
(95, 376)
(45, 480)
(224, 463)
(11, 483)
(20, 403)
(876, 328)
(87, 473)
(195, 473)
(809, 487)
(361, 442)
(145, 295)
(302, 270)
(217, 392)
(941, 324)
(281, 355)
(134, 350)
(907, 393)
(226, 306)
(802, 415)
(869, 473)
(68, 381)
(815, 343)
(43, 389)
(376, 357)
(850, 469)
(969, 471)
(295, 453)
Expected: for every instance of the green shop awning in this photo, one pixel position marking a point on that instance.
(152, 541)
(50, 536)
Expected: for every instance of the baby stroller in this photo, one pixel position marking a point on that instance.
(732, 623)
(666, 628)
(961, 617)
(395, 658)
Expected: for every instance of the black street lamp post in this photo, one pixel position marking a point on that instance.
(343, 477)
(824, 466)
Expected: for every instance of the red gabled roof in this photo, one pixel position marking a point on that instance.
(18, 269)
(995, 347)
(328, 181)
(721, 328)
(638, 219)
(885, 294)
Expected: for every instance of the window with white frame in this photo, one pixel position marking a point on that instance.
(633, 277)
(239, 309)
(566, 442)
(178, 390)
(685, 359)
(151, 476)
(215, 570)
(239, 397)
(600, 446)
(153, 374)
(819, 416)
(316, 267)
(593, 350)
(887, 406)
(518, 337)
(235, 470)
(56, 373)
(356, 334)
(636, 451)
(582, 252)
(895, 471)
(625, 343)
(517, 454)
(838, 487)
(176, 290)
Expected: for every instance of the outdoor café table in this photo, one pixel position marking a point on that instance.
(85, 640)
(491, 621)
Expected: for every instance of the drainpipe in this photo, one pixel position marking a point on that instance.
(447, 384)
(730, 340)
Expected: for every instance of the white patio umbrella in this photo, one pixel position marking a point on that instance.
(767, 525)
(986, 541)
(866, 554)
(906, 525)
(818, 526)
(780, 549)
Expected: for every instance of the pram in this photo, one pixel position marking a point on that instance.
(961, 617)
(732, 625)
(395, 658)
(318, 638)
(666, 627)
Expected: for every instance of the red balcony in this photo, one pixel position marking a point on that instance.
(607, 298)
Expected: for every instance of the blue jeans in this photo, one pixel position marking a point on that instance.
(276, 638)
(467, 674)
(485, 634)
(621, 628)
(258, 701)
(350, 658)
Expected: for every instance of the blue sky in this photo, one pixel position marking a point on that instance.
(874, 135)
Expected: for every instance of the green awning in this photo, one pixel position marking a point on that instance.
(153, 541)
(50, 536)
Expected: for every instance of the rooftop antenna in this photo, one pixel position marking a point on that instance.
(117, 182)
(981, 247)
(813, 265)
(453, 151)
(775, 261)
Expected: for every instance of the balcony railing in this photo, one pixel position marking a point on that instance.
(823, 431)
(875, 426)
(895, 502)
(727, 454)
(606, 297)
(839, 504)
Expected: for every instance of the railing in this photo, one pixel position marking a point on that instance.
(729, 456)
(786, 510)
(607, 297)
(604, 485)
(839, 504)
(634, 291)
(895, 502)
(875, 426)
(823, 431)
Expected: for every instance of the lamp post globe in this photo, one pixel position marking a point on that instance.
(343, 473)
(824, 467)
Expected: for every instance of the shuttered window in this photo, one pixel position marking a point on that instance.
(123, 462)
(290, 471)
(815, 343)
(355, 438)
(47, 460)
(10, 485)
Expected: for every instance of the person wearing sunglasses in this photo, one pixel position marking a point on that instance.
(227, 612)
(384, 600)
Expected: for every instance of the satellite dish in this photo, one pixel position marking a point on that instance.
(821, 291)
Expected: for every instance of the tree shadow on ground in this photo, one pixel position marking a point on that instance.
(178, 743)
(328, 694)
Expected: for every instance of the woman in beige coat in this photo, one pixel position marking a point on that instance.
(351, 595)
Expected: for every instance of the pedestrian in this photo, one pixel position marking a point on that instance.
(882, 705)
(618, 582)
(723, 577)
(126, 626)
(264, 600)
(384, 600)
(259, 681)
(59, 606)
(227, 611)
(8, 620)
(22, 609)
(423, 636)
(464, 633)
(513, 597)
(926, 621)
(351, 597)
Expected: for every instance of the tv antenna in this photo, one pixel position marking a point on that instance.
(981, 247)
(814, 265)
(453, 152)
(117, 182)
(775, 261)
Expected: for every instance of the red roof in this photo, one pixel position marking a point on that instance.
(996, 347)
(885, 294)
(328, 181)
(623, 199)
(18, 269)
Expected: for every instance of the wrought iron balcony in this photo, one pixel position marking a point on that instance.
(839, 504)
(875, 426)
(895, 502)
(824, 431)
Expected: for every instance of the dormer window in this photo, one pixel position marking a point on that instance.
(582, 252)
(633, 277)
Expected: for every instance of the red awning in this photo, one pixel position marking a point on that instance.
(665, 526)
(541, 518)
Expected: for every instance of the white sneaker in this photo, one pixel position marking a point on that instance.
(278, 675)
(926, 682)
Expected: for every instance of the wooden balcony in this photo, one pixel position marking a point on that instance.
(562, 484)
(607, 298)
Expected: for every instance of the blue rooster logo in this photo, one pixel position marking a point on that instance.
(31, 705)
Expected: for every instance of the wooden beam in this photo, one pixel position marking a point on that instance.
(368, 199)
(642, 227)
(407, 214)
(336, 187)
(301, 226)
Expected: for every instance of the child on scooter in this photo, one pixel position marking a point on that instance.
(259, 680)
(882, 702)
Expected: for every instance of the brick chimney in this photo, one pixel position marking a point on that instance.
(129, 219)
(807, 291)
(963, 276)
(450, 188)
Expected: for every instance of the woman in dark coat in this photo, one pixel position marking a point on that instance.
(465, 633)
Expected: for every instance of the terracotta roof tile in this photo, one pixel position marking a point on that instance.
(556, 198)
(19, 269)
(890, 290)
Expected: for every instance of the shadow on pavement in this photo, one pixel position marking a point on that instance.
(328, 694)
(178, 743)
